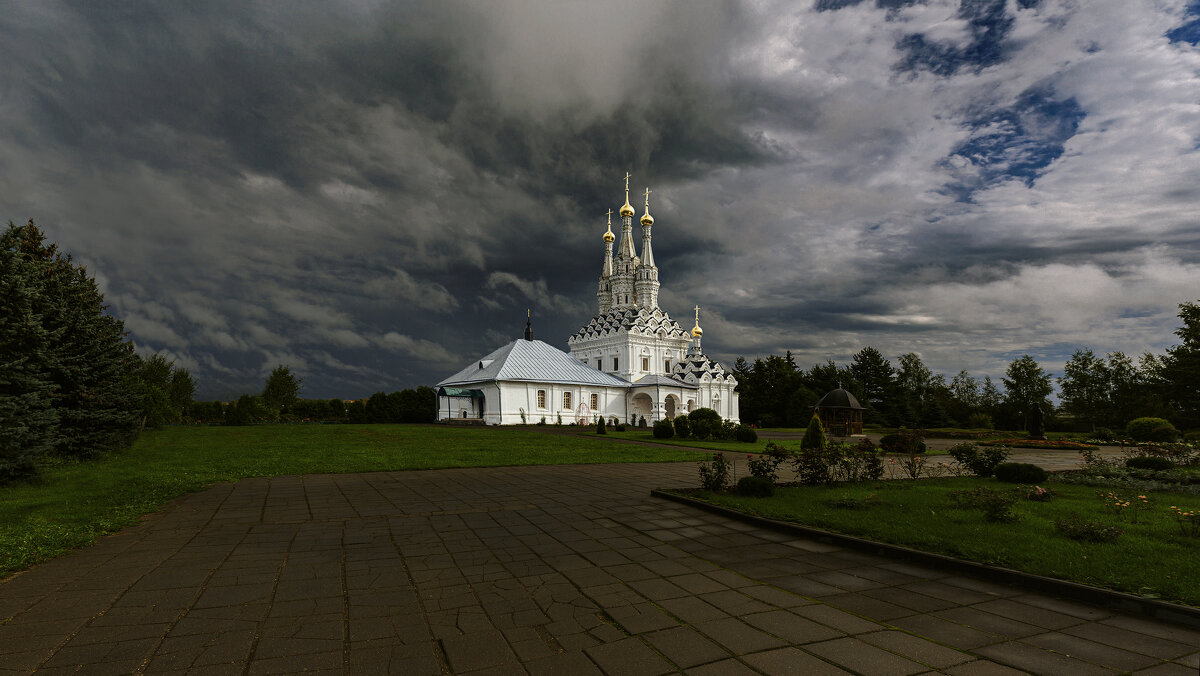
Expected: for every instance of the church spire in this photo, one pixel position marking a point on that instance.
(625, 267)
(647, 272)
(528, 325)
(627, 208)
(647, 221)
(697, 332)
(604, 288)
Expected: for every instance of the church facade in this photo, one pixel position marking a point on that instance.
(631, 360)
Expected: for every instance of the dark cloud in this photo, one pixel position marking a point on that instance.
(374, 192)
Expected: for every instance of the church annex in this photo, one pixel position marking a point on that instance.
(631, 359)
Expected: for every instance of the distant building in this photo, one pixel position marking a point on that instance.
(631, 359)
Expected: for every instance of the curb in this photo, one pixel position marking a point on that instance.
(1158, 610)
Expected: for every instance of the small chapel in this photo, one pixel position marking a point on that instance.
(629, 362)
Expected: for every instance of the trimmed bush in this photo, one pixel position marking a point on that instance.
(746, 433)
(1192, 438)
(980, 463)
(1020, 473)
(755, 486)
(619, 427)
(1151, 429)
(814, 437)
(705, 422)
(683, 430)
(1149, 462)
(663, 429)
(903, 442)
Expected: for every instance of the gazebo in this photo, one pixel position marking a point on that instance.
(841, 414)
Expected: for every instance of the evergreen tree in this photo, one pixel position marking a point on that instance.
(282, 389)
(28, 420)
(1179, 372)
(92, 367)
(180, 392)
(814, 437)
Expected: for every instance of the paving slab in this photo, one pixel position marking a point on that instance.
(539, 570)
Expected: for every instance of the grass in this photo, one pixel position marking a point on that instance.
(70, 505)
(1151, 558)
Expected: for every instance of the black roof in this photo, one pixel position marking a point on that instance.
(838, 398)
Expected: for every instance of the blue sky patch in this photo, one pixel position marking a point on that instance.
(1189, 31)
(1016, 142)
(989, 24)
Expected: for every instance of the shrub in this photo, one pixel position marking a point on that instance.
(682, 429)
(995, 505)
(755, 486)
(904, 441)
(981, 421)
(599, 426)
(619, 427)
(1020, 473)
(542, 421)
(980, 463)
(558, 419)
(1088, 531)
(1104, 434)
(1151, 429)
(860, 462)
(1192, 437)
(663, 429)
(746, 433)
(704, 422)
(767, 464)
(642, 422)
(814, 437)
(714, 476)
(725, 431)
(1153, 462)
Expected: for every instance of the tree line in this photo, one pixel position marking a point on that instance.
(1094, 391)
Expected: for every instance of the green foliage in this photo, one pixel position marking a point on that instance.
(28, 420)
(746, 434)
(1151, 462)
(88, 363)
(766, 464)
(281, 390)
(704, 422)
(683, 427)
(599, 424)
(1077, 528)
(995, 505)
(1179, 370)
(814, 436)
(1020, 473)
(714, 475)
(905, 441)
(980, 421)
(981, 463)
(1084, 386)
(755, 487)
(663, 429)
(1026, 385)
(1151, 429)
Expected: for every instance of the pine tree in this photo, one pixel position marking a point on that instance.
(92, 367)
(28, 421)
(814, 437)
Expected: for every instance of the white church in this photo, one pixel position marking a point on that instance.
(630, 360)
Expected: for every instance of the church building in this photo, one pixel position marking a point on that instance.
(631, 360)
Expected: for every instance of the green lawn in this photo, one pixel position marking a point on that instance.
(71, 505)
(1150, 558)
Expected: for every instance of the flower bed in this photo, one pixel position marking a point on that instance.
(1048, 444)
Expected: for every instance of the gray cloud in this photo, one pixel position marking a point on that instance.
(373, 192)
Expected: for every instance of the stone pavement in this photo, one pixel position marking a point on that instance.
(529, 570)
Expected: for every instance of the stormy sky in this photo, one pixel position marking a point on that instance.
(373, 193)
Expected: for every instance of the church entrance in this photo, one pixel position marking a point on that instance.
(672, 406)
(642, 405)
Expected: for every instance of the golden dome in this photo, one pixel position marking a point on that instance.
(608, 236)
(627, 208)
(647, 219)
(697, 331)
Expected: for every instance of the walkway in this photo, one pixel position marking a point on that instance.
(539, 570)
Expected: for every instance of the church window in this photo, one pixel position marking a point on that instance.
(541, 398)
(595, 401)
(566, 401)
(598, 365)
(645, 363)
(614, 363)
(667, 366)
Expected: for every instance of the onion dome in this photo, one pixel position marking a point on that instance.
(697, 331)
(609, 236)
(647, 219)
(627, 208)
